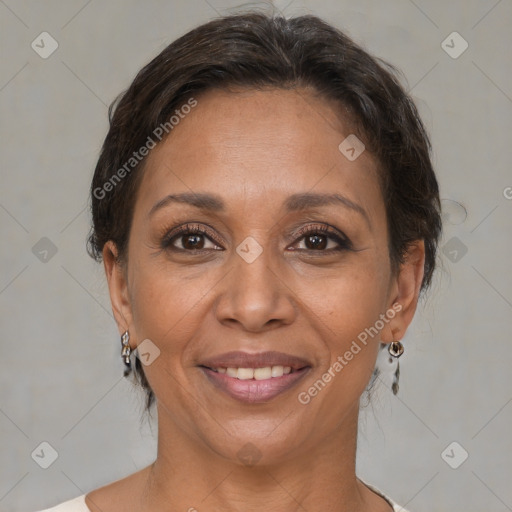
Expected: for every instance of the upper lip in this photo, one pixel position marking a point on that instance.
(239, 359)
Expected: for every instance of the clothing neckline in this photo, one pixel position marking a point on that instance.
(389, 501)
(377, 491)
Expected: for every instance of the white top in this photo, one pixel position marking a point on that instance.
(78, 504)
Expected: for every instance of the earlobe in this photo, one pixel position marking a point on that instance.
(117, 284)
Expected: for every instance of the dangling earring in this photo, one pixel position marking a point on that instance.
(125, 352)
(395, 349)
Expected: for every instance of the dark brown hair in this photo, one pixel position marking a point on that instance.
(256, 51)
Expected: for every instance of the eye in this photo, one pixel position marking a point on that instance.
(190, 237)
(193, 237)
(322, 238)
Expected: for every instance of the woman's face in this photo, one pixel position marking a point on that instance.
(284, 249)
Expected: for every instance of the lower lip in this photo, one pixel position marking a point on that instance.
(254, 391)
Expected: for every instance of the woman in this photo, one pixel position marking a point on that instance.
(267, 214)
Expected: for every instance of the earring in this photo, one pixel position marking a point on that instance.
(125, 352)
(395, 349)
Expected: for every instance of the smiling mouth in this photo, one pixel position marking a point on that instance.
(254, 385)
(262, 373)
(254, 377)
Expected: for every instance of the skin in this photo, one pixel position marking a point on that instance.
(254, 149)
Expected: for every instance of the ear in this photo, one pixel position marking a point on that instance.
(118, 288)
(404, 292)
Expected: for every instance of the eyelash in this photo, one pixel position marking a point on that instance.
(342, 241)
(192, 229)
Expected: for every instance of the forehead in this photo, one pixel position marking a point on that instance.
(259, 145)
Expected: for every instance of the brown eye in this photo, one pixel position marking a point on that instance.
(316, 241)
(322, 239)
(192, 241)
(189, 238)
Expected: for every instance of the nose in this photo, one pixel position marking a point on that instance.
(256, 296)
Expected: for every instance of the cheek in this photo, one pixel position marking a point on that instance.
(163, 305)
(348, 310)
(164, 309)
(349, 301)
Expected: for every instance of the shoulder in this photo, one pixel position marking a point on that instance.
(74, 505)
(396, 506)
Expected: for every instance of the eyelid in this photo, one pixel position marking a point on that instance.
(340, 238)
(322, 228)
(203, 229)
(190, 227)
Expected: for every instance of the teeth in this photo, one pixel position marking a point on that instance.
(232, 372)
(245, 373)
(255, 373)
(277, 371)
(262, 373)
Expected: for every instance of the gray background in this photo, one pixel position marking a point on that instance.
(61, 378)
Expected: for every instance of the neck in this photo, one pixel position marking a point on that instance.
(189, 475)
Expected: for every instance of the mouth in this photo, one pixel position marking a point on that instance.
(254, 378)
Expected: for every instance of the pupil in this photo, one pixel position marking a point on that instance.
(193, 242)
(317, 241)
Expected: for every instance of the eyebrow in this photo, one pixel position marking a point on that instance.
(295, 202)
(298, 202)
(201, 201)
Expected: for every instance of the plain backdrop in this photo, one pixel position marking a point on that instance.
(61, 375)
